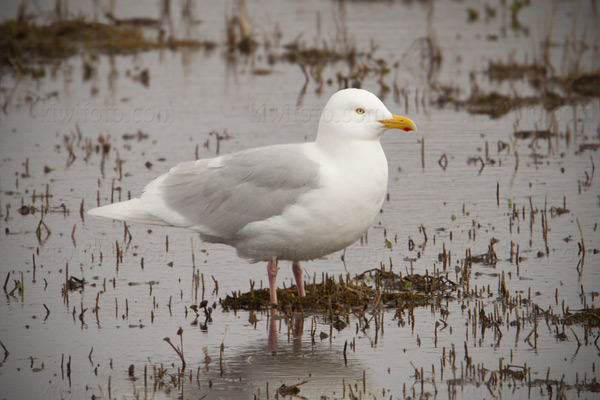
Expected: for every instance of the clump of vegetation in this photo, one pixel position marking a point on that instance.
(501, 71)
(590, 317)
(297, 52)
(575, 83)
(493, 104)
(339, 294)
(586, 84)
(497, 104)
(23, 42)
(239, 30)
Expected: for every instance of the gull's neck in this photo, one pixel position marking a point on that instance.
(350, 150)
(344, 145)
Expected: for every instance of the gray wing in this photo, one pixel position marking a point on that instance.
(219, 196)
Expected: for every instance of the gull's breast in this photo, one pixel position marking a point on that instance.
(327, 219)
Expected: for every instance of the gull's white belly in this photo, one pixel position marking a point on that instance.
(324, 220)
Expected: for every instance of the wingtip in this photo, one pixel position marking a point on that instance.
(97, 212)
(93, 211)
(129, 210)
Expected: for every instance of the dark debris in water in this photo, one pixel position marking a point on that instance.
(291, 390)
(589, 146)
(73, 284)
(139, 136)
(536, 134)
(26, 210)
(335, 295)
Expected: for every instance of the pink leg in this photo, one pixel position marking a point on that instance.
(298, 275)
(272, 272)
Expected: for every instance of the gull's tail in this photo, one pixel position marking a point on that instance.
(130, 210)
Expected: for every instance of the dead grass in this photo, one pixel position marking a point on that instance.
(341, 294)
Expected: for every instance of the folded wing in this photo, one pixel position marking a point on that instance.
(218, 197)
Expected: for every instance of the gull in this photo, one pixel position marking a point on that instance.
(294, 202)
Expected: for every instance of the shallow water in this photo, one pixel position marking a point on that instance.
(81, 343)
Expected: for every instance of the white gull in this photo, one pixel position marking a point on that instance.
(292, 202)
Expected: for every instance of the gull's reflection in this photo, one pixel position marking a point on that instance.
(275, 319)
(288, 356)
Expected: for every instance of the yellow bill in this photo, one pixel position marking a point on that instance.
(397, 122)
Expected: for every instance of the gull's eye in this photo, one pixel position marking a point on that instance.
(360, 110)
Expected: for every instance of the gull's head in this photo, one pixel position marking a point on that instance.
(359, 114)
